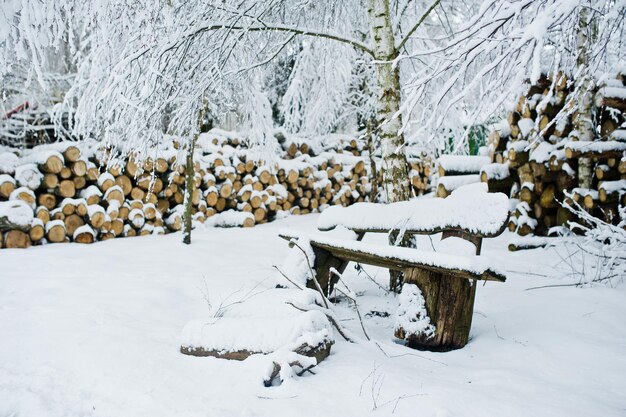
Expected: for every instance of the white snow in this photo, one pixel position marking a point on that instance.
(92, 209)
(263, 322)
(595, 146)
(229, 218)
(463, 164)
(53, 223)
(4, 178)
(94, 330)
(457, 181)
(28, 175)
(21, 191)
(619, 135)
(496, 171)
(83, 229)
(613, 92)
(526, 125)
(8, 162)
(613, 186)
(412, 316)
(470, 207)
(90, 191)
(542, 152)
(105, 176)
(473, 264)
(17, 212)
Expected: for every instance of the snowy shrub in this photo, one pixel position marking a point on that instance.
(412, 316)
(601, 249)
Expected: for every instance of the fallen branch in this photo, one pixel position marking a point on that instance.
(329, 315)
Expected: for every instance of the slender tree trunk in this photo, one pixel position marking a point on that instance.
(395, 168)
(583, 119)
(189, 189)
(374, 171)
(396, 184)
(190, 173)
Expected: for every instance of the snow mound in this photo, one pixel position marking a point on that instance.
(17, 212)
(412, 317)
(262, 323)
(469, 207)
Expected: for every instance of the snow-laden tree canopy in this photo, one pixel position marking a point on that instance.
(140, 70)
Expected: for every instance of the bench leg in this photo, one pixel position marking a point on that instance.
(450, 305)
(324, 262)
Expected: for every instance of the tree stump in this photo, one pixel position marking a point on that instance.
(449, 303)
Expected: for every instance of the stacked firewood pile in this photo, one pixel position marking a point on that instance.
(538, 150)
(455, 171)
(420, 172)
(81, 193)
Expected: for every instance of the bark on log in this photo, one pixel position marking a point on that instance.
(450, 305)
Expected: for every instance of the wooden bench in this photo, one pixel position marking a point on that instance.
(447, 281)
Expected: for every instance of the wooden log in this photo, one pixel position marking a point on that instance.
(16, 239)
(449, 304)
(589, 201)
(79, 168)
(260, 215)
(93, 173)
(66, 189)
(96, 217)
(52, 165)
(73, 222)
(71, 153)
(124, 183)
(50, 181)
(106, 181)
(547, 198)
(517, 158)
(65, 173)
(55, 231)
(117, 227)
(84, 234)
(37, 230)
(79, 182)
(137, 193)
(114, 193)
(7, 186)
(43, 214)
(24, 194)
(47, 200)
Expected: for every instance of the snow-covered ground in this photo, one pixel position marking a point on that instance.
(94, 330)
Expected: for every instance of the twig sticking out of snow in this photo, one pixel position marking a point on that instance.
(331, 318)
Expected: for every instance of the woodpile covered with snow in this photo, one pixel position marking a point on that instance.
(538, 149)
(80, 192)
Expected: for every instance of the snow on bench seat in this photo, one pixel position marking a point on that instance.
(400, 258)
(262, 324)
(470, 208)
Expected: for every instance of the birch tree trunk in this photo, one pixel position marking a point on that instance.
(189, 188)
(395, 168)
(190, 173)
(583, 120)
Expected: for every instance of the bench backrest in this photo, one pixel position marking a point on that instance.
(470, 212)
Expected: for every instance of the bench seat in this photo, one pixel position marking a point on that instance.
(399, 258)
